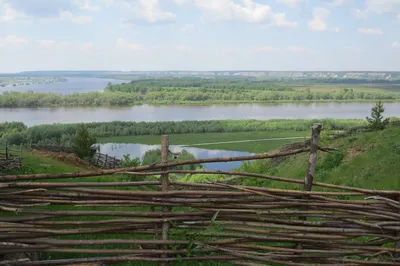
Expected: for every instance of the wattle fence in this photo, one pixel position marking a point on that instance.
(166, 222)
(10, 158)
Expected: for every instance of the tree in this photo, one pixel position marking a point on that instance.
(82, 143)
(376, 121)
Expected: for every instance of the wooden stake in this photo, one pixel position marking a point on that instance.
(397, 243)
(312, 162)
(164, 187)
(6, 150)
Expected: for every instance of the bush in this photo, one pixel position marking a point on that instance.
(376, 121)
(82, 143)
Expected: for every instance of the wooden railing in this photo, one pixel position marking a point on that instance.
(10, 157)
(167, 221)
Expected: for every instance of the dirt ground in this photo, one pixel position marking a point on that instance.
(68, 158)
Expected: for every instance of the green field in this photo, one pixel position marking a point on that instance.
(193, 139)
(368, 160)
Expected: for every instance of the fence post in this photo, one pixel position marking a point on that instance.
(20, 156)
(312, 162)
(114, 163)
(164, 187)
(6, 143)
(397, 243)
(105, 162)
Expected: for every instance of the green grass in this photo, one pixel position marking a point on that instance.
(190, 139)
(368, 160)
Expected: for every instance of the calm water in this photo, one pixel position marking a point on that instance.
(35, 116)
(72, 85)
(138, 150)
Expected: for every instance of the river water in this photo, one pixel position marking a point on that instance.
(36, 116)
(138, 150)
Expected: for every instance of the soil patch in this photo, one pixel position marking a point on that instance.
(68, 158)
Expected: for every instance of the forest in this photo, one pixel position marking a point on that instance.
(61, 134)
(200, 91)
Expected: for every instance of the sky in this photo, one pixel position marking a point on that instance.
(145, 35)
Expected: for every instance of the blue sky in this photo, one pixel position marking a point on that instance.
(199, 35)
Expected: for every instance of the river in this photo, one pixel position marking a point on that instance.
(36, 116)
(138, 150)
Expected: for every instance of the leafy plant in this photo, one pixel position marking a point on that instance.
(82, 143)
(376, 121)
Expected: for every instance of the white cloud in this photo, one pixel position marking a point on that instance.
(272, 49)
(335, 3)
(279, 20)
(86, 47)
(247, 11)
(123, 44)
(148, 11)
(265, 49)
(187, 27)
(288, 3)
(298, 49)
(226, 9)
(53, 44)
(371, 31)
(86, 5)
(179, 2)
(383, 6)
(396, 45)
(12, 40)
(362, 14)
(66, 15)
(7, 13)
(318, 22)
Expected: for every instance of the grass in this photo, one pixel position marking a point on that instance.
(368, 160)
(192, 139)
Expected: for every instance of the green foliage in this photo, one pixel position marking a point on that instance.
(127, 161)
(376, 121)
(62, 133)
(82, 143)
(154, 156)
(196, 91)
(199, 178)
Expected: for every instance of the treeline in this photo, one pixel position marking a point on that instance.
(182, 96)
(61, 134)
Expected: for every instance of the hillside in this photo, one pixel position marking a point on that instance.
(367, 160)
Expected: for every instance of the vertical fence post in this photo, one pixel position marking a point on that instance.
(312, 162)
(397, 243)
(164, 187)
(6, 143)
(105, 162)
(20, 156)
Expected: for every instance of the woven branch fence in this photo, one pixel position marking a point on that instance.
(178, 223)
(10, 158)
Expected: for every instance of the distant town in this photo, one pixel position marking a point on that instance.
(368, 75)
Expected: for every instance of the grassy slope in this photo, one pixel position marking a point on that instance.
(369, 160)
(187, 139)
